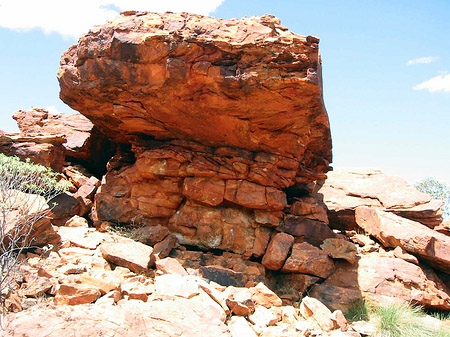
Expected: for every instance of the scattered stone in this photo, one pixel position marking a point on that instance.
(262, 295)
(239, 301)
(133, 255)
(340, 249)
(263, 317)
(170, 265)
(73, 294)
(76, 221)
(313, 308)
(392, 231)
(239, 327)
(307, 259)
(176, 285)
(162, 249)
(277, 251)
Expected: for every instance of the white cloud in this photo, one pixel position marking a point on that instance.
(435, 84)
(422, 60)
(73, 18)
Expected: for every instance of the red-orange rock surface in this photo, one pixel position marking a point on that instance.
(248, 83)
(47, 150)
(393, 231)
(84, 142)
(380, 279)
(344, 190)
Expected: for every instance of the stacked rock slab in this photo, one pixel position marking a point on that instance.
(221, 123)
(344, 190)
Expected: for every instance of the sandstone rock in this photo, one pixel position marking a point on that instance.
(311, 307)
(226, 228)
(137, 290)
(185, 60)
(240, 327)
(339, 249)
(176, 285)
(307, 259)
(73, 294)
(105, 281)
(314, 232)
(46, 150)
(364, 328)
(344, 190)
(37, 286)
(170, 265)
(263, 317)
(381, 279)
(167, 318)
(400, 253)
(82, 237)
(265, 297)
(84, 141)
(64, 207)
(392, 231)
(223, 276)
(239, 301)
(133, 255)
(204, 190)
(77, 174)
(277, 251)
(262, 238)
(77, 221)
(310, 208)
(340, 322)
(162, 249)
(293, 286)
(26, 220)
(151, 235)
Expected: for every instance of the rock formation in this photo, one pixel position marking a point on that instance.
(217, 146)
(221, 124)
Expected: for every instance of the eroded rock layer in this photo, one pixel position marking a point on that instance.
(248, 83)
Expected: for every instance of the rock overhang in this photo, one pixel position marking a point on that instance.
(248, 83)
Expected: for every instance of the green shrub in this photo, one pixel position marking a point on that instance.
(25, 190)
(438, 191)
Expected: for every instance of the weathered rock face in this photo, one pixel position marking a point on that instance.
(380, 279)
(47, 150)
(344, 190)
(393, 231)
(248, 83)
(84, 142)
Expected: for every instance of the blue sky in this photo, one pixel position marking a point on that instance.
(386, 68)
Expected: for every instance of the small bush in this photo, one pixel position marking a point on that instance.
(25, 190)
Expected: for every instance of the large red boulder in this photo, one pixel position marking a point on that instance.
(248, 83)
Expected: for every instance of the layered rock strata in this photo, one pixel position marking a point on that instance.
(84, 143)
(344, 190)
(249, 84)
(221, 125)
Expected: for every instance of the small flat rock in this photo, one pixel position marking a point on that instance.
(262, 295)
(340, 249)
(176, 285)
(310, 307)
(239, 327)
(73, 294)
(76, 221)
(170, 265)
(132, 255)
(263, 317)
